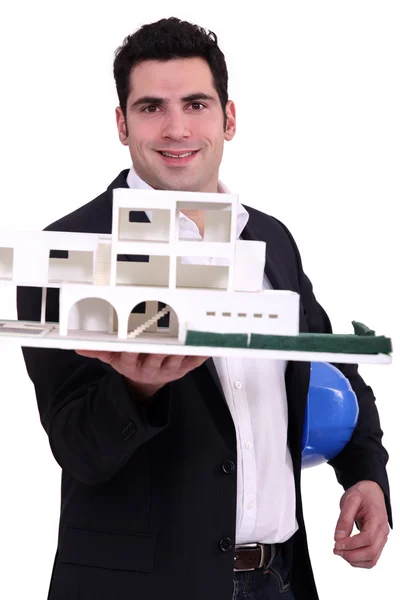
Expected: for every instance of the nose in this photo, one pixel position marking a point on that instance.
(175, 125)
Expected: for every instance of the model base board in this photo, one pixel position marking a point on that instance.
(33, 334)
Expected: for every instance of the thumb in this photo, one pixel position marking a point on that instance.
(348, 514)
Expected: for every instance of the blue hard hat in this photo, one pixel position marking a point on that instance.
(331, 415)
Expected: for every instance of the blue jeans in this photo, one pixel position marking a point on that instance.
(270, 583)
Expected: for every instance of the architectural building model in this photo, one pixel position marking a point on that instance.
(144, 288)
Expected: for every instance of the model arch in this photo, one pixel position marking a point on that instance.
(153, 318)
(92, 314)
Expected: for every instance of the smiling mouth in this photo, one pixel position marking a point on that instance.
(178, 156)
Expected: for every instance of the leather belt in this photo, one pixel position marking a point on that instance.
(252, 556)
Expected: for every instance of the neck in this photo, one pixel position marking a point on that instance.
(197, 217)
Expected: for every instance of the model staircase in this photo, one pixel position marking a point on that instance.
(149, 322)
(102, 270)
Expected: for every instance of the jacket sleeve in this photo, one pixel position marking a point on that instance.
(364, 457)
(93, 422)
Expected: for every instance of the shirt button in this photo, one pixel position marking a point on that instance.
(237, 385)
(250, 505)
(248, 445)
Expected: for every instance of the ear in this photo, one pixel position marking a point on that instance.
(121, 126)
(231, 121)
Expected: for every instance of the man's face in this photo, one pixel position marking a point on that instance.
(173, 107)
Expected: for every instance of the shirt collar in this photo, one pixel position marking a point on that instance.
(134, 181)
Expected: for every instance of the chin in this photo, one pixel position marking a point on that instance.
(181, 185)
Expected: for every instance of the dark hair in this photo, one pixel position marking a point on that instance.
(165, 40)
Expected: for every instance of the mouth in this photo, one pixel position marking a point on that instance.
(178, 158)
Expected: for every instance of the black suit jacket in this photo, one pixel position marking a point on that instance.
(145, 500)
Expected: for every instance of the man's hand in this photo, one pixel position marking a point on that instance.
(364, 504)
(147, 373)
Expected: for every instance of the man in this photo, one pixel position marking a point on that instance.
(172, 466)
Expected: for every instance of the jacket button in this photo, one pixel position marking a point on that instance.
(228, 467)
(129, 430)
(226, 544)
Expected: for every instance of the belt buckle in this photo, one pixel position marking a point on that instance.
(261, 558)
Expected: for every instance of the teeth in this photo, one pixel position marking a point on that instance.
(177, 155)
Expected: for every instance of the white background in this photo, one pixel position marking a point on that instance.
(316, 86)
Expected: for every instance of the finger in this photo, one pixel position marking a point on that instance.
(172, 363)
(348, 514)
(370, 533)
(182, 364)
(88, 353)
(192, 362)
(364, 565)
(135, 360)
(371, 562)
(131, 360)
(360, 554)
(365, 558)
(103, 356)
(151, 365)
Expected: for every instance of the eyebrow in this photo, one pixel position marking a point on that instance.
(159, 100)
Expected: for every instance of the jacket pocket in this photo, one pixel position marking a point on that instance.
(128, 551)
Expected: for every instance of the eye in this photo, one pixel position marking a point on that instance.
(151, 106)
(197, 104)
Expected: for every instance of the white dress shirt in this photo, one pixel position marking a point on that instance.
(256, 395)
